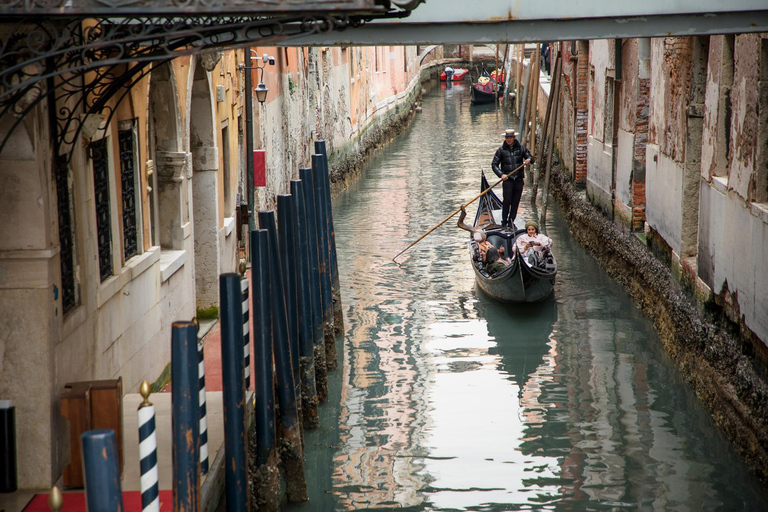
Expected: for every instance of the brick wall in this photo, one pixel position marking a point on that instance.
(582, 114)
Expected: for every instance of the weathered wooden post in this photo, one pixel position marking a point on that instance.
(101, 469)
(288, 263)
(233, 382)
(265, 478)
(309, 400)
(321, 371)
(149, 481)
(325, 264)
(185, 417)
(291, 451)
(338, 315)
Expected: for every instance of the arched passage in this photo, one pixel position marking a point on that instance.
(169, 165)
(205, 196)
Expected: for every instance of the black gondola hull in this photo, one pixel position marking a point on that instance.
(519, 282)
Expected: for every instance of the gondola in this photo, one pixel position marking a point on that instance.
(485, 90)
(520, 281)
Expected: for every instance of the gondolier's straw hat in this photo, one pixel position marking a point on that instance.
(509, 133)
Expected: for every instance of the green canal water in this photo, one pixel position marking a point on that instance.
(446, 400)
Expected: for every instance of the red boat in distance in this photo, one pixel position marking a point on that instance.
(459, 74)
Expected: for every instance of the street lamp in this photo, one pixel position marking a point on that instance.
(261, 91)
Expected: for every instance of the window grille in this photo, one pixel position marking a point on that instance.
(100, 160)
(66, 239)
(128, 180)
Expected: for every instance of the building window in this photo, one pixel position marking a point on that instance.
(226, 175)
(68, 255)
(100, 159)
(128, 182)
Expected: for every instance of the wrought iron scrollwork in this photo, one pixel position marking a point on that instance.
(82, 65)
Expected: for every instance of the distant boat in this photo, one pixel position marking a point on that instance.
(459, 74)
(519, 281)
(485, 90)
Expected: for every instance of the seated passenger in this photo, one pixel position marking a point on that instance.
(532, 244)
(493, 265)
(482, 244)
(478, 235)
(503, 256)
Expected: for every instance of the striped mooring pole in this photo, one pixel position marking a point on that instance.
(55, 499)
(203, 409)
(102, 471)
(246, 333)
(149, 480)
(201, 401)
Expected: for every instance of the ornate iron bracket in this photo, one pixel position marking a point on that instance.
(81, 65)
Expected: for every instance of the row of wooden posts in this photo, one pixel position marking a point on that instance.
(294, 286)
(526, 108)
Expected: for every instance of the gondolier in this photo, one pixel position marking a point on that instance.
(510, 156)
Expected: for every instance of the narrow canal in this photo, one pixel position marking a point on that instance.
(447, 400)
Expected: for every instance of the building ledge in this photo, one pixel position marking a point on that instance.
(170, 262)
(229, 225)
(760, 210)
(133, 268)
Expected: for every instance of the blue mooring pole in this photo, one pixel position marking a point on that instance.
(309, 400)
(288, 263)
(102, 471)
(267, 487)
(291, 456)
(321, 371)
(338, 315)
(325, 264)
(185, 417)
(233, 381)
(286, 389)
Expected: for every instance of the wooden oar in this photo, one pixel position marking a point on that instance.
(481, 194)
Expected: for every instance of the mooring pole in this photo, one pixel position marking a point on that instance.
(266, 479)
(185, 418)
(309, 400)
(102, 471)
(288, 263)
(149, 479)
(338, 315)
(291, 454)
(233, 392)
(321, 371)
(325, 264)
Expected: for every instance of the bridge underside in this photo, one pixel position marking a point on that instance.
(48, 48)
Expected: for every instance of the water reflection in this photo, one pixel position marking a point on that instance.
(447, 400)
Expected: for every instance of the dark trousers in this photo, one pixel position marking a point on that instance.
(513, 189)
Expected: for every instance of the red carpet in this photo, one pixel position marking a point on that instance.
(75, 502)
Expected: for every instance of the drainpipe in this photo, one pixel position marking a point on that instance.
(249, 138)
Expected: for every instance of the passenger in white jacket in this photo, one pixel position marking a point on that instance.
(533, 243)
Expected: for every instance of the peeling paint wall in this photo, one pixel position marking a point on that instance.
(744, 99)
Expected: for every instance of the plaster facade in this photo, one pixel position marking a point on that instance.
(180, 132)
(687, 165)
